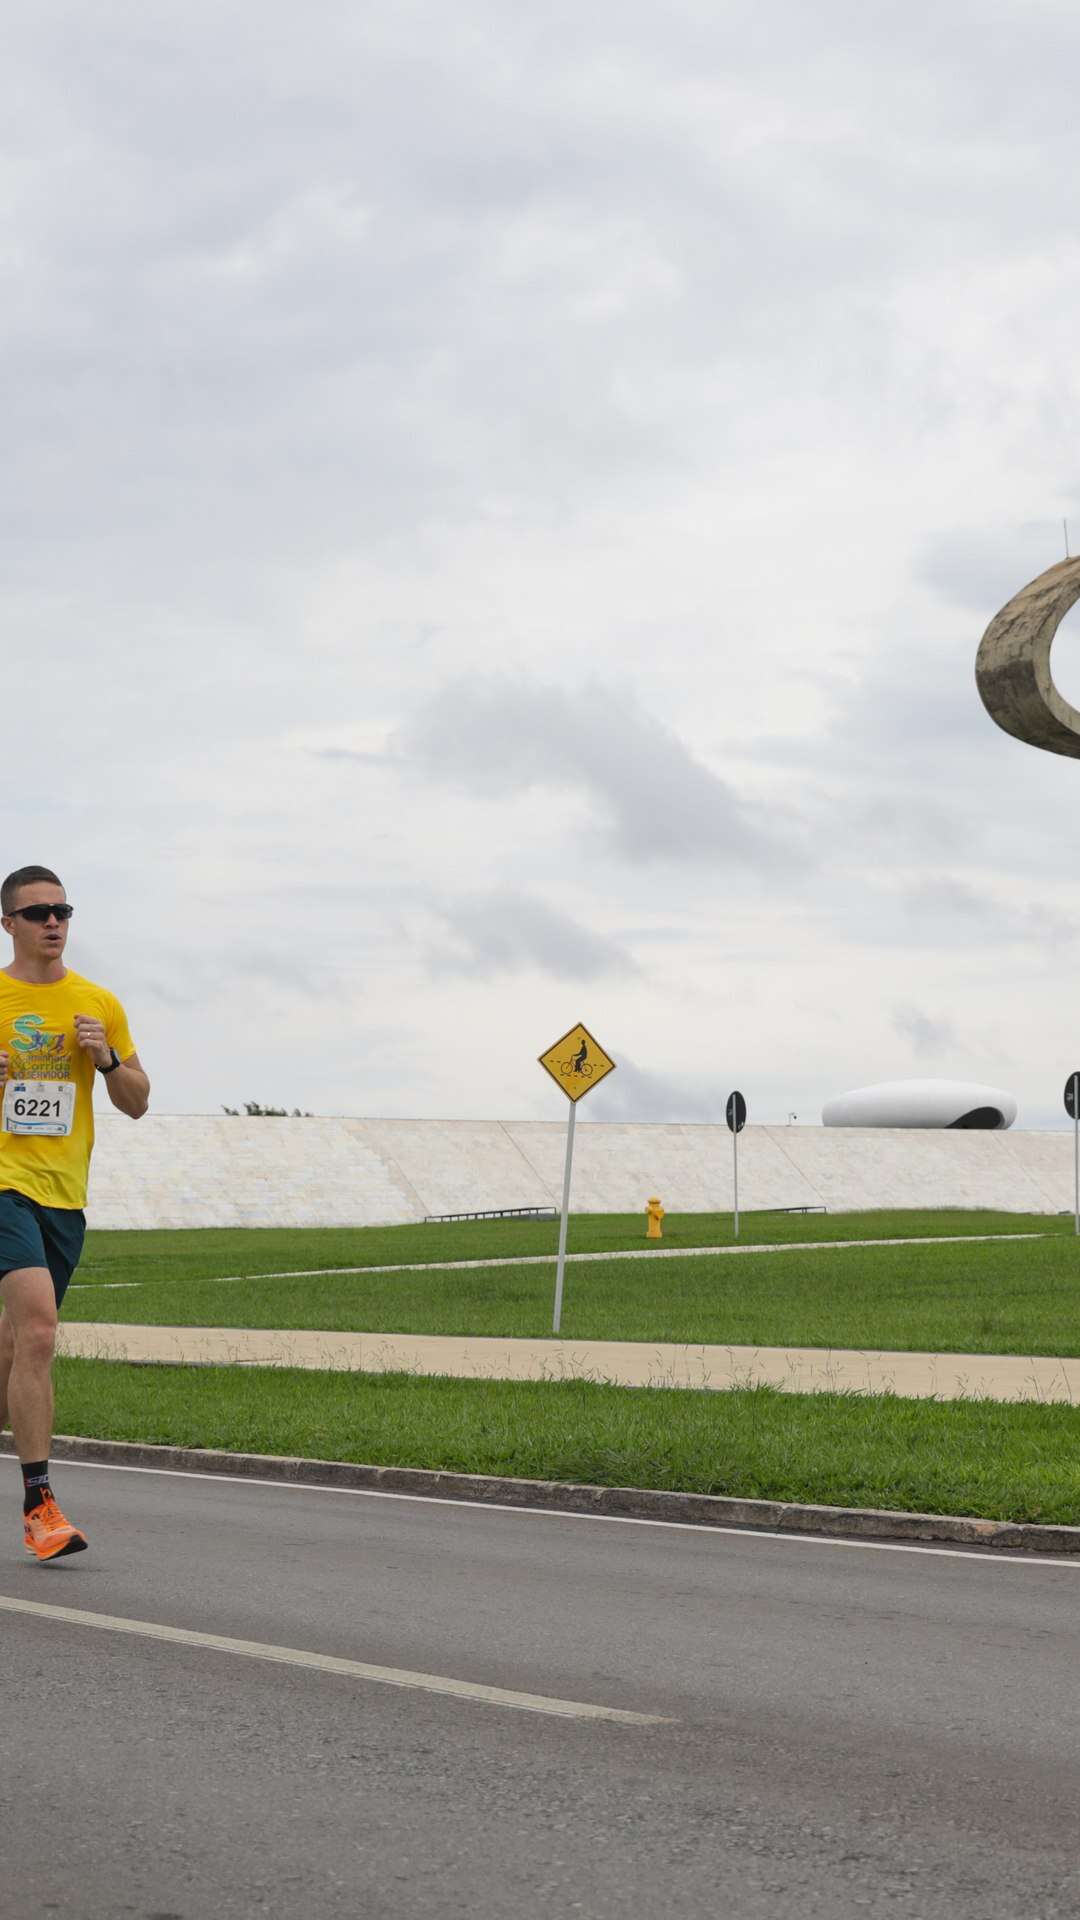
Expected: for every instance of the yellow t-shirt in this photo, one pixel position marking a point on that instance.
(37, 1030)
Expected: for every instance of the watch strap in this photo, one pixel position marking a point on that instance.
(115, 1062)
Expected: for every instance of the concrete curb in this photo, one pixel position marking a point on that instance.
(638, 1503)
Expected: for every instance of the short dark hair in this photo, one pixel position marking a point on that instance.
(24, 877)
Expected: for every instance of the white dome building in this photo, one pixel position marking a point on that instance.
(922, 1103)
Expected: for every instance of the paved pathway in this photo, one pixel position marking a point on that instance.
(947, 1376)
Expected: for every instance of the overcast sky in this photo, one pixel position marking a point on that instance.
(499, 509)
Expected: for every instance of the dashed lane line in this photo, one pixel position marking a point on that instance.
(330, 1663)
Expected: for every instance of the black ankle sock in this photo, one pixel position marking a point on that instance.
(35, 1475)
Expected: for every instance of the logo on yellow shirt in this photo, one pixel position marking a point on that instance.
(30, 1036)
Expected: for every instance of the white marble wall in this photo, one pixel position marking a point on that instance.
(189, 1171)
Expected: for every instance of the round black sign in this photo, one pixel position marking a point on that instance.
(1071, 1085)
(735, 1112)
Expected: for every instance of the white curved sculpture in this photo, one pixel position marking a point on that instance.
(922, 1103)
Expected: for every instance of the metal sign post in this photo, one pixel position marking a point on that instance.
(560, 1265)
(735, 1115)
(577, 1063)
(1072, 1108)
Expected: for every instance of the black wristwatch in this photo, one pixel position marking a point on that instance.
(115, 1062)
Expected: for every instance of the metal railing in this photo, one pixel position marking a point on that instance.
(552, 1213)
(495, 1213)
(814, 1209)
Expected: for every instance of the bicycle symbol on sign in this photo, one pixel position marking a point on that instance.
(578, 1063)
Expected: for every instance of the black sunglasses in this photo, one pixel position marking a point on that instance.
(43, 914)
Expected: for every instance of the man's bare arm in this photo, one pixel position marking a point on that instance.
(129, 1087)
(128, 1084)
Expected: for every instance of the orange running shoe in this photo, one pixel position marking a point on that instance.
(48, 1534)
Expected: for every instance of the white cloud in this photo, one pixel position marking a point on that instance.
(635, 414)
(636, 1093)
(656, 800)
(930, 1039)
(507, 932)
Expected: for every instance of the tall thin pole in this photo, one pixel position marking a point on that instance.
(1077, 1147)
(565, 1215)
(735, 1157)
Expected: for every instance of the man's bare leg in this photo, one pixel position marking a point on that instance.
(30, 1320)
(7, 1355)
(30, 1323)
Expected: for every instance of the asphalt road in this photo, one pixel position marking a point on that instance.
(821, 1728)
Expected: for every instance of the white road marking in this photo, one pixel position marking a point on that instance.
(1010, 1557)
(545, 1259)
(330, 1663)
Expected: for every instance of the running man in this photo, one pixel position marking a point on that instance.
(58, 1031)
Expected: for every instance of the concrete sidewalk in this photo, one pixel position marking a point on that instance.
(945, 1376)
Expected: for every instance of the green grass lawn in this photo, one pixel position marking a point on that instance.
(969, 1297)
(194, 1253)
(1019, 1462)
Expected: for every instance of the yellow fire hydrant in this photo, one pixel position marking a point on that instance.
(654, 1213)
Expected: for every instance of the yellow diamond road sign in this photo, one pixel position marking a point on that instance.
(577, 1063)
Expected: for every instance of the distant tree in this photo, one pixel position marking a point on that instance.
(252, 1107)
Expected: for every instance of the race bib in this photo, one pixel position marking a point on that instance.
(39, 1106)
